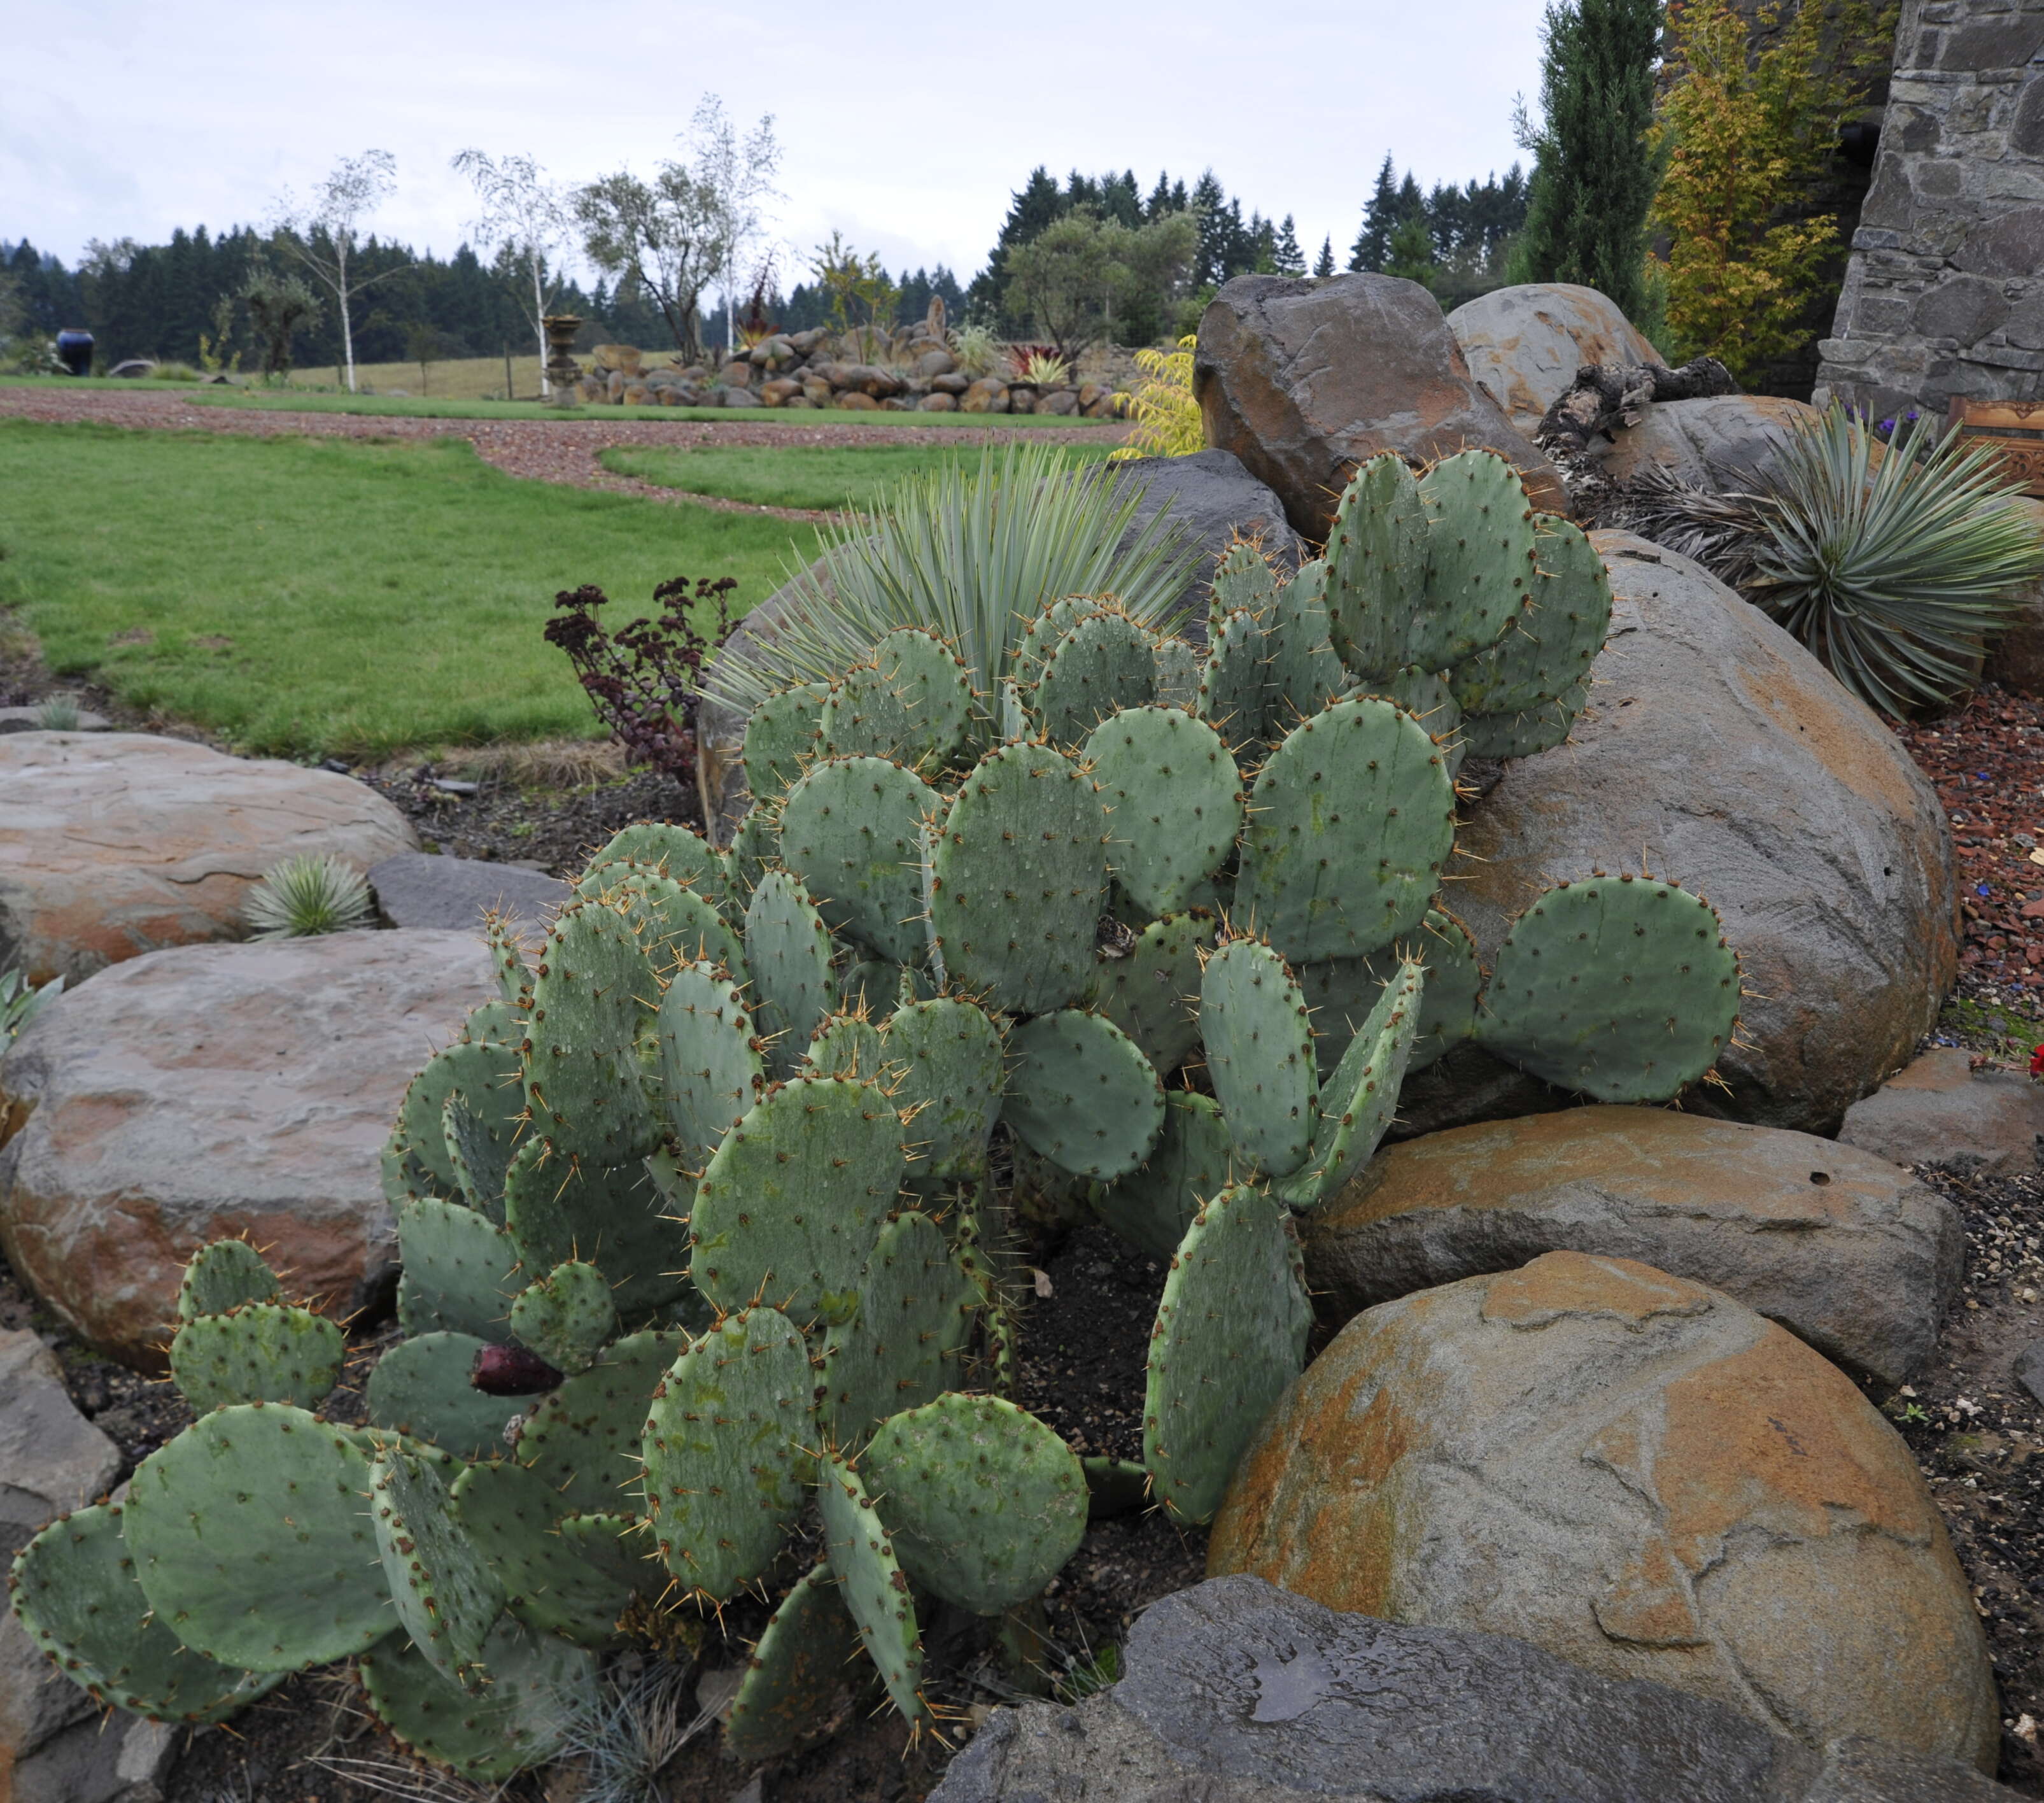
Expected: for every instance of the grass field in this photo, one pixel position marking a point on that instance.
(306, 597)
(799, 475)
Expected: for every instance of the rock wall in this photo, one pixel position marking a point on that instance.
(1945, 292)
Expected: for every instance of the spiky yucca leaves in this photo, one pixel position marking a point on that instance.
(19, 1002)
(306, 896)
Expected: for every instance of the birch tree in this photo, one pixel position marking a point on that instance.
(321, 232)
(524, 213)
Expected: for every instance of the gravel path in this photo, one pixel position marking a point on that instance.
(562, 451)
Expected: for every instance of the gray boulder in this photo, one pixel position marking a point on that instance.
(1722, 441)
(1847, 1251)
(1718, 751)
(1217, 501)
(1524, 343)
(1302, 378)
(417, 889)
(1939, 1110)
(1237, 1692)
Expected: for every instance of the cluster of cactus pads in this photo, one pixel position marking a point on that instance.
(707, 1223)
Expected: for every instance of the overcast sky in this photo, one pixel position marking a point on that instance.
(905, 128)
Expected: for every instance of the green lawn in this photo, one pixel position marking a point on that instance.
(399, 406)
(306, 596)
(797, 475)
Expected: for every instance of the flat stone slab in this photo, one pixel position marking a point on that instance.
(1236, 1692)
(419, 889)
(1939, 1110)
(1848, 1251)
(211, 1090)
(116, 844)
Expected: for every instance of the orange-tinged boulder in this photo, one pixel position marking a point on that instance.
(1524, 343)
(1637, 1474)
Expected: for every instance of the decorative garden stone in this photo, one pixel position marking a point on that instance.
(1939, 1110)
(1523, 344)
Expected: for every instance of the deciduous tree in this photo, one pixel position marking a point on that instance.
(322, 232)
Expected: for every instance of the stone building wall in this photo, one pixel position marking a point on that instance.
(1944, 294)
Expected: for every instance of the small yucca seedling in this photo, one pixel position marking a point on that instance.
(58, 714)
(305, 895)
(20, 1001)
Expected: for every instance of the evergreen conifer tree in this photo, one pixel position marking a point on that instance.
(1287, 259)
(1324, 265)
(1594, 173)
(1379, 220)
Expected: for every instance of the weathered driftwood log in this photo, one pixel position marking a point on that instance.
(1605, 395)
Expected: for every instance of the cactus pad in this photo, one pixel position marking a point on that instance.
(447, 1598)
(510, 1515)
(507, 958)
(1178, 667)
(421, 1387)
(1479, 557)
(916, 1313)
(1231, 1334)
(223, 1276)
(910, 703)
(788, 950)
(796, 1683)
(950, 1060)
(711, 1067)
(249, 1539)
(1358, 1100)
(984, 1501)
(1234, 692)
(755, 844)
(479, 1147)
(1548, 648)
(1173, 797)
(567, 1316)
(1620, 987)
(676, 925)
(851, 830)
(458, 1274)
(788, 1210)
(536, 1683)
(1376, 567)
(1104, 662)
(1259, 1046)
(1351, 818)
(1082, 1095)
(781, 736)
(724, 1441)
(260, 1352)
(1301, 672)
(614, 1216)
(76, 1593)
(581, 1059)
(1447, 1009)
(484, 1074)
(679, 853)
(1537, 729)
(876, 1594)
(1152, 991)
(583, 1441)
(1153, 1205)
(846, 1045)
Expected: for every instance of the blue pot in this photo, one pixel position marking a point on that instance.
(74, 351)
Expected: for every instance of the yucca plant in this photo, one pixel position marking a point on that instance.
(974, 554)
(303, 897)
(58, 714)
(974, 348)
(1893, 572)
(21, 1002)
(1042, 368)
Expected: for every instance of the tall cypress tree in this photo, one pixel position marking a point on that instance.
(1594, 174)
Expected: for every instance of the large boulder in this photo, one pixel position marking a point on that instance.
(1721, 441)
(116, 844)
(1938, 1109)
(1523, 344)
(1302, 379)
(1217, 501)
(1638, 1474)
(1236, 1692)
(212, 1090)
(419, 889)
(1720, 753)
(1847, 1251)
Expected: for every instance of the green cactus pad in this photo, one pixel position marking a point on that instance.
(1376, 567)
(405, 1177)
(1548, 649)
(676, 925)
(537, 1683)
(874, 1589)
(1105, 663)
(1358, 1102)
(984, 1501)
(250, 1541)
(1302, 674)
(1174, 798)
(868, 986)
(582, 1439)
(1259, 1048)
(729, 1444)
(223, 1276)
(1520, 735)
(1114, 1487)
(788, 1209)
(581, 1068)
(916, 1311)
(507, 958)
(711, 1067)
(1447, 1009)
(1019, 874)
(846, 1045)
(1231, 1334)
(1177, 681)
(782, 735)
(1425, 695)
(513, 1517)
(948, 1057)
(851, 830)
(755, 848)
(458, 1274)
(1623, 988)
(495, 1022)
(614, 1216)
(1153, 1205)
(1243, 579)
(567, 1316)
(421, 1387)
(1479, 557)
(800, 1679)
(446, 1597)
(74, 1593)
(910, 703)
(484, 1074)
(1234, 687)
(1082, 1095)
(1152, 992)
(260, 1352)
(1014, 721)
(679, 853)
(788, 950)
(1351, 818)
(1043, 634)
(621, 1549)
(479, 1148)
